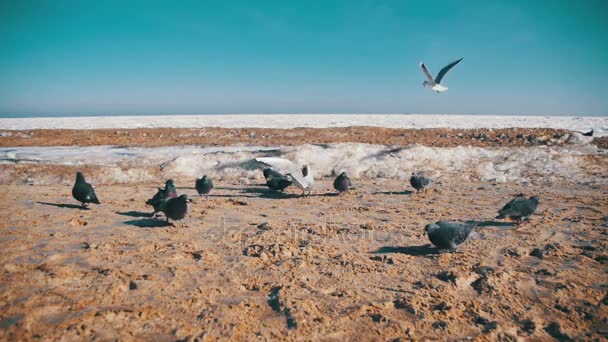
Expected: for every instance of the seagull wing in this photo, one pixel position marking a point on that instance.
(280, 165)
(445, 70)
(426, 73)
(300, 181)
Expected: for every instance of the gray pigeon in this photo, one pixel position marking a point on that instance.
(83, 192)
(448, 235)
(176, 208)
(519, 208)
(161, 196)
(342, 183)
(203, 185)
(419, 182)
(274, 181)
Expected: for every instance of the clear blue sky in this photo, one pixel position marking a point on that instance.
(189, 57)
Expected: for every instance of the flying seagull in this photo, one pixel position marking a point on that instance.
(283, 168)
(436, 83)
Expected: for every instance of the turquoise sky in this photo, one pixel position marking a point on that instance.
(190, 57)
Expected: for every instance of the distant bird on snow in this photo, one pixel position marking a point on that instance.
(283, 168)
(436, 83)
(448, 235)
(519, 208)
(83, 192)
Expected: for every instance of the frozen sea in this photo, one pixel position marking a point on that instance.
(578, 123)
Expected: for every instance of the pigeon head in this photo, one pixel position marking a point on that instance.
(343, 174)
(79, 177)
(430, 227)
(266, 172)
(535, 199)
(185, 198)
(169, 182)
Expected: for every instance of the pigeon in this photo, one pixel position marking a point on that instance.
(83, 192)
(161, 196)
(203, 186)
(448, 235)
(176, 208)
(274, 182)
(419, 182)
(283, 168)
(436, 83)
(342, 183)
(519, 208)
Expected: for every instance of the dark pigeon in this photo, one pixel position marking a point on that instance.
(176, 208)
(83, 192)
(275, 182)
(448, 235)
(519, 208)
(419, 182)
(162, 195)
(342, 183)
(203, 185)
(588, 134)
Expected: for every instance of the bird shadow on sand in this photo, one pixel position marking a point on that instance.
(422, 250)
(65, 205)
(483, 224)
(148, 223)
(405, 192)
(134, 213)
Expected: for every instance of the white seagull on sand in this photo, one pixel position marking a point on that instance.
(436, 83)
(283, 168)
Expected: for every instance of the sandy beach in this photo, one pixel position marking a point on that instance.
(252, 264)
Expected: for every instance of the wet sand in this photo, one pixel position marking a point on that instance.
(249, 264)
(149, 137)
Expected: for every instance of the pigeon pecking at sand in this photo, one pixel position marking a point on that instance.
(83, 192)
(448, 235)
(176, 208)
(203, 185)
(161, 196)
(342, 183)
(419, 182)
(519, 208)
(275, 181)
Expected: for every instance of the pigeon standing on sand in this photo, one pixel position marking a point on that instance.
(203, 185)
(448, 235)
(419, 182)
(176, 208)
(274, 182)
(342, 183)
(83, 192)
(519, 208)
(283, 168)
(161, 196)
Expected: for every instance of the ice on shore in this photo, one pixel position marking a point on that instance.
(583, 124)
(573, 163)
